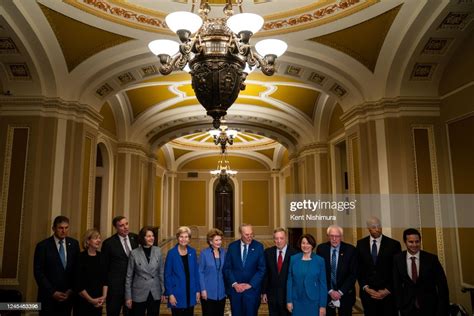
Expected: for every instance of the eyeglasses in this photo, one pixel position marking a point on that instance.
(334, 236)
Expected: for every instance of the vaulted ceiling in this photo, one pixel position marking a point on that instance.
(341, 53)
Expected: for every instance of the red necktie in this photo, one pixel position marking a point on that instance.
(280, 262)
(414, 273)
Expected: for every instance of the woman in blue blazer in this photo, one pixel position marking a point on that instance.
(211, 264)
(182, 275)
(306, 287)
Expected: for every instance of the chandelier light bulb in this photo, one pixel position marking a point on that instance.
(182, 20)
(231, 133)
(271, 47)
(245, 22)
(164, 47)
(214, 133)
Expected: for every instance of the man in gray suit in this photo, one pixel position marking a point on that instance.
(144, 282)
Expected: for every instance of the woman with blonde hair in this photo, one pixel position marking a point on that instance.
(182, 275)
(211, 277)
(90, 282)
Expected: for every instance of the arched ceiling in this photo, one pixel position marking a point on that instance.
(341, 53)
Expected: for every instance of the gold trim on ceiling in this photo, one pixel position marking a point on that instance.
(362, 41)
(322, 12)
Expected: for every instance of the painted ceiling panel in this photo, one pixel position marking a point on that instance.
(253, 90)
(75, 51)
(144, 98)
(192, 101)
(180, 152)
(363, 41)
(302, 99)
(237, 163)
(267, 152)
(188, 89)
(108, 122)
(259, 102)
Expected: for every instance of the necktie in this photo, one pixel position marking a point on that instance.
(244, 255)
(280, 261)
(414, 273)
(374, 251)
(333, 268)
(127, 248)
(62, 254)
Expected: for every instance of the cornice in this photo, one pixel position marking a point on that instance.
(313, 148)
(389, 108)
(49, 107)
(133, 148)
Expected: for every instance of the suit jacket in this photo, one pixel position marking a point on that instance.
(346, 273)
(175, 278)
(116, 262)
(144, 277)
(312, 279)
(254, 269)
(274, 283)
(211, 275)
(380, 275)
(430, 291)
(50, 275)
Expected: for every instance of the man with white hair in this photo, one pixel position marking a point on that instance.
(376, 253)
(341, 272)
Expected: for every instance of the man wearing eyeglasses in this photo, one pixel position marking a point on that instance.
(376, 253)
(341, 272)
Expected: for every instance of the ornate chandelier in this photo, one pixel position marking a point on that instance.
(218, 53)
(223, 136)
(223, 171)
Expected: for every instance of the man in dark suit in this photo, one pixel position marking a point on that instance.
(277, 259)
(341, 272)
(420, 284)
(54, 266)
(115, 251)
(244, 269)
(375, 254)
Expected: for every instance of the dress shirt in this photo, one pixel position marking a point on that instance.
(123, 244)
(56, 241)
(283, 252)
(242, 246)
(417, 255)
(378, 241)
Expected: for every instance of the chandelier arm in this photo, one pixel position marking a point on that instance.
(251, 59)
(266, 64)
(168, 67)
(239, 5)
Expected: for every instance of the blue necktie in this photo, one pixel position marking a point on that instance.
(62, 255)
(374, 251)
(333, 268)
(244, 255)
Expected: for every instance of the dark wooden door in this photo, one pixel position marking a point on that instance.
(224, 208)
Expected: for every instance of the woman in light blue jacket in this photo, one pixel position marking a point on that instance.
(211, 277)
(306, 286)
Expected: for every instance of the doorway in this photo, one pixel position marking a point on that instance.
(224, 207)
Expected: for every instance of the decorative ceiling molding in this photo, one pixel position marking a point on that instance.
(301, 18)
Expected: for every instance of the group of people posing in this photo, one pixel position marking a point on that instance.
(130, 275)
